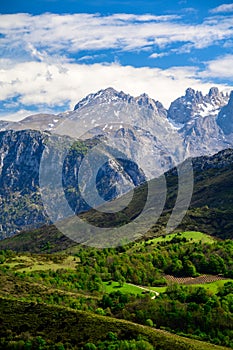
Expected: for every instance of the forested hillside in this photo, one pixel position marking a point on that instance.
(131, 282)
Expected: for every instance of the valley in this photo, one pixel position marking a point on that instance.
(132, 283)
(116, 175)
(154, 289)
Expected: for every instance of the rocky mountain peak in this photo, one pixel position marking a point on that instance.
(215, 97)
(145, 100)
(110, 95)
(193, 96)
(109, 106)
(213, 92)
(103, 96)
(194, 104)
(225, 117)
(139, 128)
(189, 92)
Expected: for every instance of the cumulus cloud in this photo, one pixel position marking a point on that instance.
(46, 84)
(39, 68)
(220, 67)
(222, 8)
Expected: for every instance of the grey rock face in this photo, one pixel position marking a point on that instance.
(225, 117)
(194, 104)
(202, 136)
(21, 205)
(103, 96)
(138, 127)
(149, 141)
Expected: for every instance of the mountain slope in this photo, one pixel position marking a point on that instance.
(56, 324)
(225, 117)
(21, 203)
(142, 128)
(210, 210)
(138, 137)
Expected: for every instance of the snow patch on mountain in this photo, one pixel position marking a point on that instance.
(195, 124)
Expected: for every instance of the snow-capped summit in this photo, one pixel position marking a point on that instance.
(195, 124)
(108, 95)
(110, 106)
(137, 126)
(194, 104)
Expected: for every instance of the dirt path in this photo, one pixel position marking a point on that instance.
(144, 288)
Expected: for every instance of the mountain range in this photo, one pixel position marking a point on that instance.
(195, 124)
(210, 210)
(136, 136)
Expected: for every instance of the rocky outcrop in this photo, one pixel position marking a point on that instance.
(225, 117)
(194, 104)
(202, 136)
(21, 204)
(149, 141)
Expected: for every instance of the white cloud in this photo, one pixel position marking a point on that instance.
(220, 67)
(19, 115)
(47, 84)
(73, 33)
(158, 55)
(143, 18)
(222, 8)
(90, 57)
(41, 72)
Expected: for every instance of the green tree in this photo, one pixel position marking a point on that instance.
(177, 267)
(121, 281)
(39, 343)
(100, 311)
(149, 322)
(90, 346)
(189, 269)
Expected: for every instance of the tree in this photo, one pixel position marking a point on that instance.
(112, 336)
(177, 267)
(89, 346)
(149, 322)
(189, 268)
(39, 343)
(121, 281)
(100, 311)
(216, 264)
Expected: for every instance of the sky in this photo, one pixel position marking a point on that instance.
(55, 52)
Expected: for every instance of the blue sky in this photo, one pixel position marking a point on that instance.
(53, 53)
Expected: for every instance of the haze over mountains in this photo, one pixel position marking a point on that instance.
(148, 138)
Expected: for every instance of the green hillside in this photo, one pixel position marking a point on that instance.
(210, 211)
(181, 283)
(162, 291)
(44, 325)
